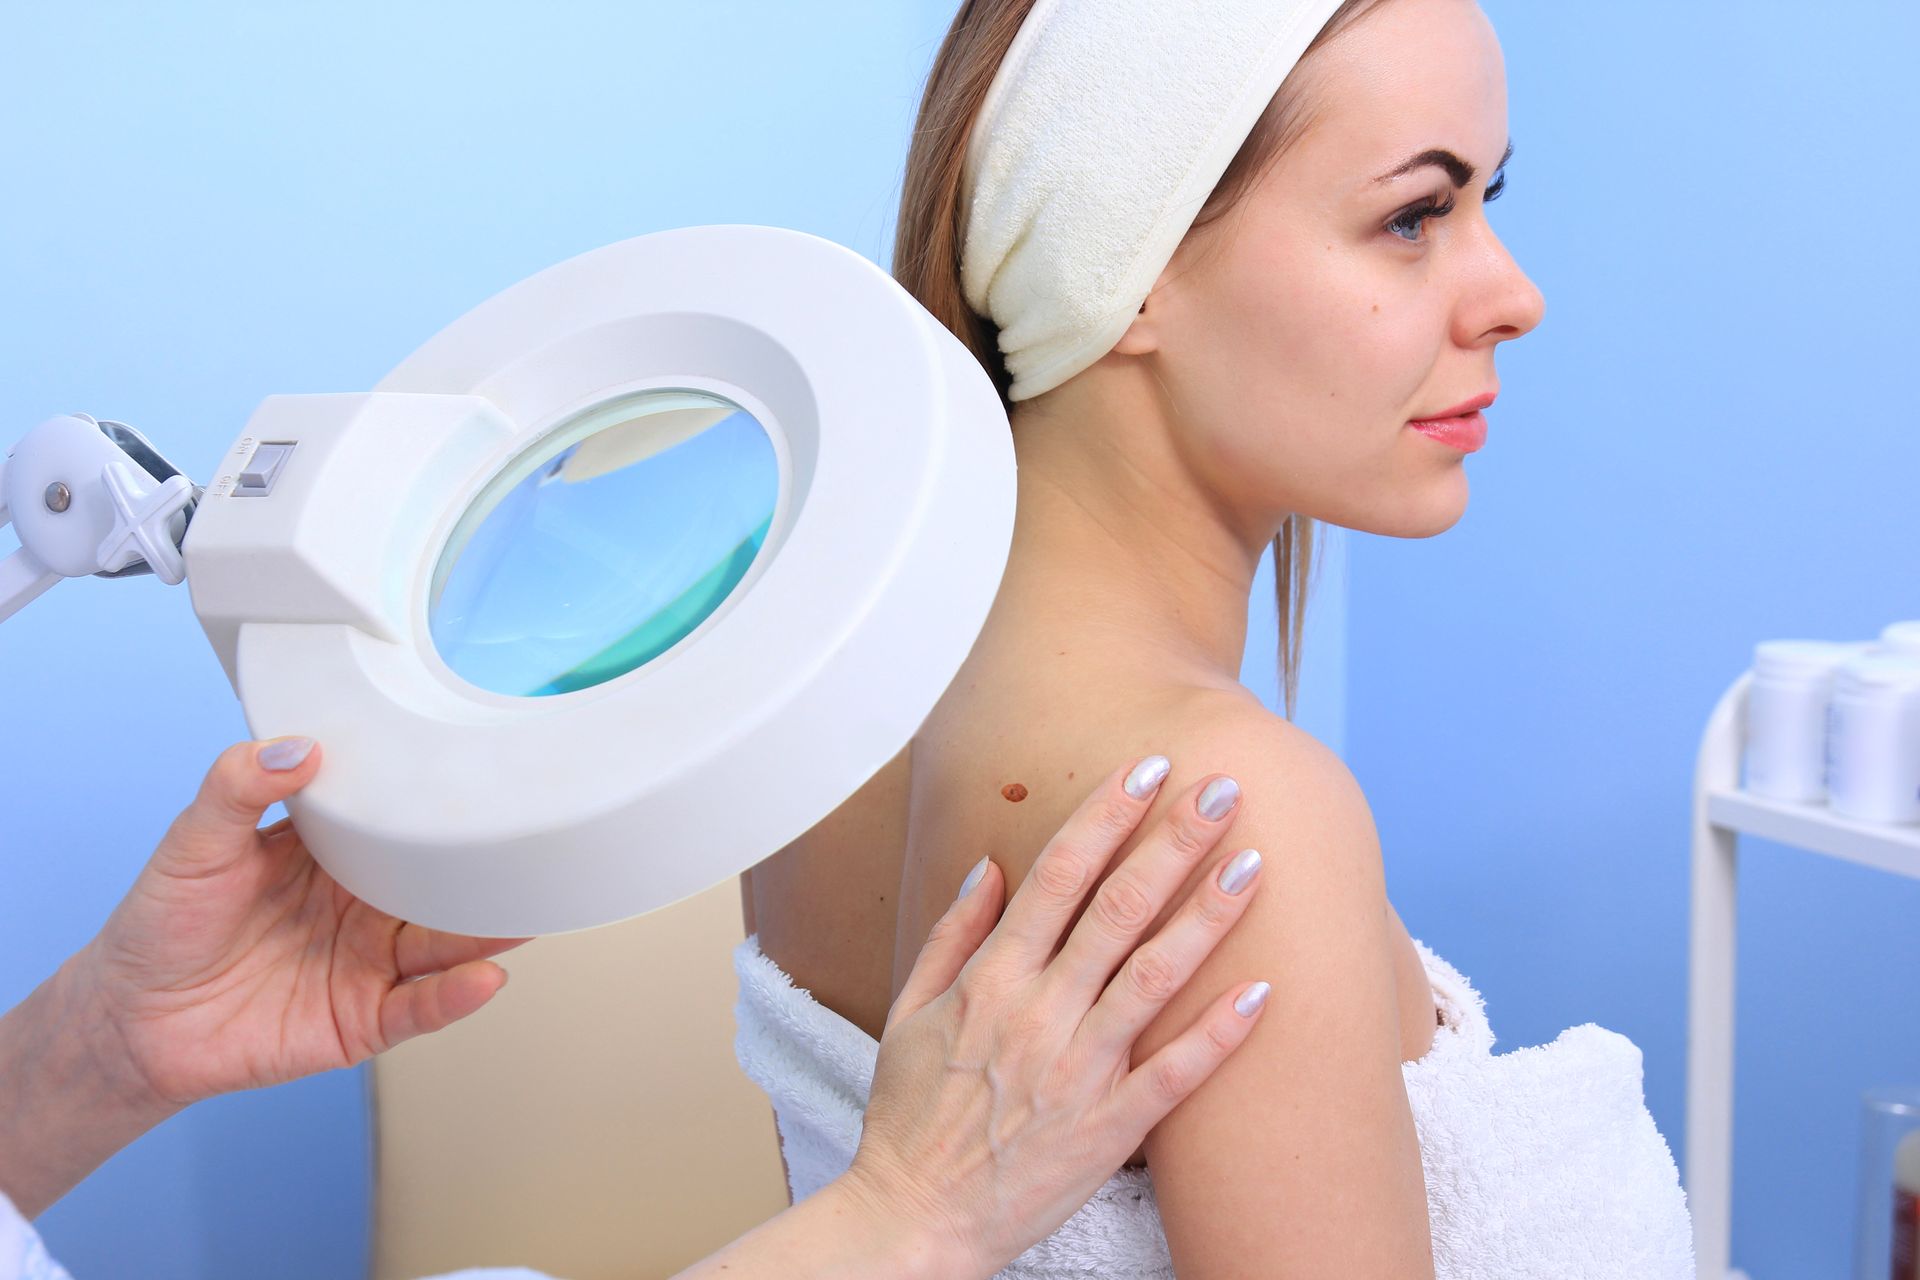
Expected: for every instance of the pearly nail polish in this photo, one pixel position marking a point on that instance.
(1238, 873)
(973, 879)
(285, 754)
(1147, 776)
(1218, 798)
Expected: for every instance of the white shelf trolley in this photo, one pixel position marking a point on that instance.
(1722, 812)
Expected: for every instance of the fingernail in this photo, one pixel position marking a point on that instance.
(973, 878)
(1236, 875)
(1251, 999)
(1147, 776)
(285, 753)
(1218, 798)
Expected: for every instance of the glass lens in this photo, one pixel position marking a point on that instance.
(606, 545)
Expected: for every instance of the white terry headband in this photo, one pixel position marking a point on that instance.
(1104, 131)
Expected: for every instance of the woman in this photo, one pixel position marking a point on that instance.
(1339, 284)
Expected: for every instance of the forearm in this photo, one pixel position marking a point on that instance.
(838, 1231)
(69, 1097)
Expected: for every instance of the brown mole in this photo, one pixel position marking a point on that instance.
(1014, 792)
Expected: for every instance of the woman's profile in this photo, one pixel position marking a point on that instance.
(1340, 283)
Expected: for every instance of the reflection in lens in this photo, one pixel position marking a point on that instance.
(606, 545)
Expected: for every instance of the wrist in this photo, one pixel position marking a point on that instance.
(89, 1015)
(843, 1230)
(74, 1094)
(906, 1240)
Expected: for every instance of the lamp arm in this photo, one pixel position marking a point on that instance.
(87, 497)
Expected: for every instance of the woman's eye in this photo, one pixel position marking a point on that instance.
(1412, 217)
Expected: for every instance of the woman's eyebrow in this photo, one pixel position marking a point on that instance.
(1457, 169)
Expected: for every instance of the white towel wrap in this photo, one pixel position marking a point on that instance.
(1104, 131)
(1539, 1162)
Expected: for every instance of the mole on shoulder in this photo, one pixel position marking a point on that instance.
(1069, 775)
(1014, 792)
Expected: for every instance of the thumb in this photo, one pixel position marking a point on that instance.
(952, 942)
(220, 826)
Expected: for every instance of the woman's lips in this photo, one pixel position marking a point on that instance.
(1466, 433)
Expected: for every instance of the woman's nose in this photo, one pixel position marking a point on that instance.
(1528, 304)
(1509, 305)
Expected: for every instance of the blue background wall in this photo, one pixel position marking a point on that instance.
(1708, 442)
(204, 204)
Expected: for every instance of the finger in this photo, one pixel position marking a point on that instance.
(427, 1004)
(418, 950)
(955, 936)
(1165, 963)
(1132, 897)
(222, 824)
(1163, 1081)
(1054, 889)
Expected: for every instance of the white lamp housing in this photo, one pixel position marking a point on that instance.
(316, 556)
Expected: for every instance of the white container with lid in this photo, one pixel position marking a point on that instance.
(1901, 637)
(1786, 749)
(1873, 738)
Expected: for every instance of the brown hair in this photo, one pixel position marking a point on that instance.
(928, 235)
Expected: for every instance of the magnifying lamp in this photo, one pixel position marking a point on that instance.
(618, 584)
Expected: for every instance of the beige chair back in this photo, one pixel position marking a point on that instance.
(590, 1122)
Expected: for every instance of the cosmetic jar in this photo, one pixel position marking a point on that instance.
(1785, 748)
(1901, 637)
(1873, 738)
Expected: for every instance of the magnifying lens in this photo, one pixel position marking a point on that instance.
(618, 584)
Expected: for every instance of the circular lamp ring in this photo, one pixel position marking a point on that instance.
(619, 583)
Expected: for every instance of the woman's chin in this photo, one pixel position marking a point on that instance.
(1424, 510)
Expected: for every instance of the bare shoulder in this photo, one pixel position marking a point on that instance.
(1296, 792)
(1299, 1156)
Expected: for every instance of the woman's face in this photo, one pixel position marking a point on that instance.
(1296, 337)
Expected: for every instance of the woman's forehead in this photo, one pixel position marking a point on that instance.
(1411, 77)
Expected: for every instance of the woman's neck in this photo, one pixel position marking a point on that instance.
(1118, 551)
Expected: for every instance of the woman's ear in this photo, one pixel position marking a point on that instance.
(1143, 333)
(1139, 339)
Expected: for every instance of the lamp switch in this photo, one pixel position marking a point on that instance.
(259, 471)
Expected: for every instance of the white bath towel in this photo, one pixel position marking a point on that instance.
(1542, 1162)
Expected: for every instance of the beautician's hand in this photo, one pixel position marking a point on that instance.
(1004, 1095)
(237, 962)
(234, 962)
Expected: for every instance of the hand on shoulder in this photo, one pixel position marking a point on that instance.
(1302, 1146)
